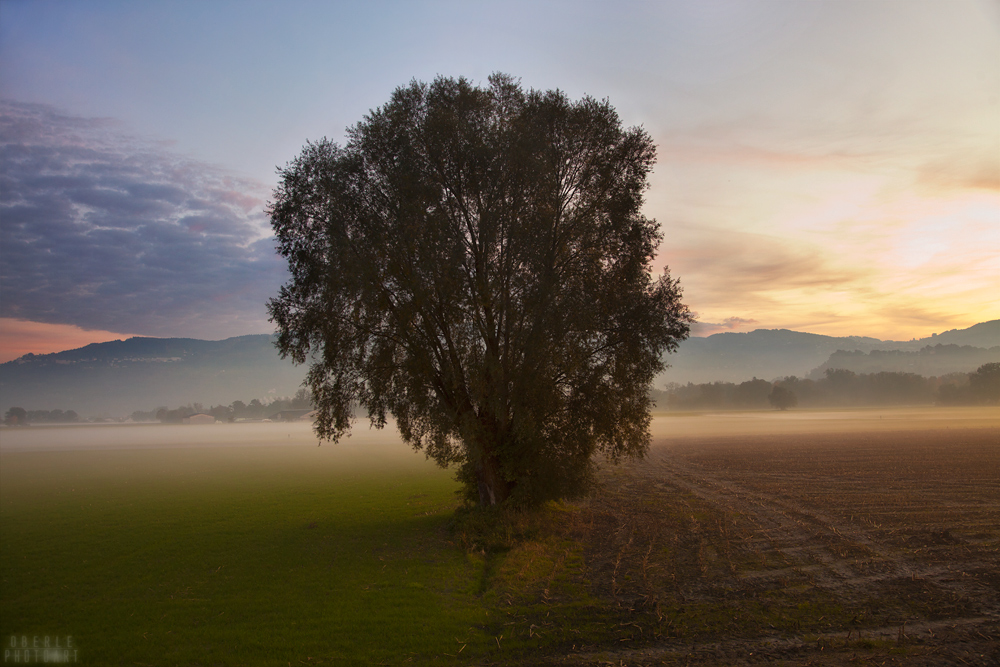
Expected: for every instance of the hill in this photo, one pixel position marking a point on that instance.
(773, 353)
(929, 361)
(118, 377)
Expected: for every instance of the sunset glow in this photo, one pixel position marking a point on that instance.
(20, 337)
(826, 167)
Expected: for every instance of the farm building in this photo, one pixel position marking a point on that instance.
(293, 415)
(200, 418)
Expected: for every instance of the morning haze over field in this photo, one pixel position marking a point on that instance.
(811, 477)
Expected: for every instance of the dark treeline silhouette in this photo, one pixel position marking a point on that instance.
(17, 416)
(255, 409)
(52, 416)
(929, 361)
(838, 387)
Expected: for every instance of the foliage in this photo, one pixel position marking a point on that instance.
(929, 361)
(985, 383)
(746, 395)
(16, 417)
(955, 393)
(782, 397)
(474, 263)
(838, 388)
(143, 415)
(53, 416)
(256, 409)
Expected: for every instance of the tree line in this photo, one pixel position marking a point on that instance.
(17, 416)
(255, 409)
(839, 387)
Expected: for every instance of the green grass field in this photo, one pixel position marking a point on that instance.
(824, 537)
(256, 555)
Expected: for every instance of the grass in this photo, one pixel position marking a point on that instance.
(724, 549)
(235, 556)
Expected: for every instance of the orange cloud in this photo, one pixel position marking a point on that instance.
(893, 233)
(20, 337)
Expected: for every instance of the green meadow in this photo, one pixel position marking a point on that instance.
(206, 555)
(743, 538)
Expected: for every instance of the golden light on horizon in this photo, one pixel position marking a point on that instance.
(859, 244)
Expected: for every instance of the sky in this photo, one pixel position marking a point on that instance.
(830, 166)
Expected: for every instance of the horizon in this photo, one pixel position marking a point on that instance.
(120, 339)
(825, 168)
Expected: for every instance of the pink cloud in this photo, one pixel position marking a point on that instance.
(21, 337)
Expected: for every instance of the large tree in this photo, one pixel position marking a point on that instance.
(474, 263)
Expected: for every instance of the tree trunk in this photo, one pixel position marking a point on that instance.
(493, 488)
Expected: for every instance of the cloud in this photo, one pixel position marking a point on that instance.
(728, 324)
(108, 232)
(723, 265)
(20, 337)
(877, 278)
(980, 172)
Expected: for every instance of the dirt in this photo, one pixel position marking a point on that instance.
(797, 549)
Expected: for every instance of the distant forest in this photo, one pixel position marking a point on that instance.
(838, 387)
(929, 361)
(255, 409)
(19, 416)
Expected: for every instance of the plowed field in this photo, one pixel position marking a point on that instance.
(829, 548)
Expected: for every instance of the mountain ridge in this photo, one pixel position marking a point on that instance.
(118, 377)
(774, 353)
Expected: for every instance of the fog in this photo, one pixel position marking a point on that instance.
(172, 436)
(712, 424)
(665, 426)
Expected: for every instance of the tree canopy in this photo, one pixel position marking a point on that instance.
(474, 263)
(985, 382)
(16, 417)
(783, 398)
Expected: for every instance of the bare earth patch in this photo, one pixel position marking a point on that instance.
(802, 549)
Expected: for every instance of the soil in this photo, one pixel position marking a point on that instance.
(796, 549)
